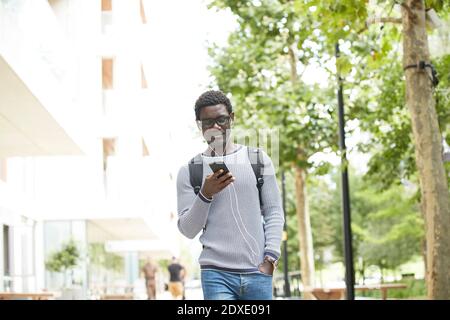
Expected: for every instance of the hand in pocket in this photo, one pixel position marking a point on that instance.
(266, 267)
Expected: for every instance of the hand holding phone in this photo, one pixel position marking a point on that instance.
(217, 181)
(216, 166)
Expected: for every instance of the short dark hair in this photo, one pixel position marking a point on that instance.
(212, 98)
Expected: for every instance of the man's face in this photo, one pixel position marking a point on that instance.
(215, 123)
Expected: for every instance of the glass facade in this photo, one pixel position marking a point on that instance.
(72, 283)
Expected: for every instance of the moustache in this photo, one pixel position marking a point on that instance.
(214, 135)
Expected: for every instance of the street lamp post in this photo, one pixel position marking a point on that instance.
(348, 250)
(287, 287)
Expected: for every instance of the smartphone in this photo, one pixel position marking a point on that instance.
(216, 166)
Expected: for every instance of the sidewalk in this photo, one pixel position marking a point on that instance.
(191, 294)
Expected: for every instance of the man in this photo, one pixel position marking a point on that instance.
(150, 270)
(239, 253)
(177, 274)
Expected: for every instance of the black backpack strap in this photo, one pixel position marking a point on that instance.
(254, 154)
(196, 173)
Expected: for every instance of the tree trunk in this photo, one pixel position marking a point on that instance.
(427, 140)
(424, 255)
(363, 273)
(304, 232)
(304, 223)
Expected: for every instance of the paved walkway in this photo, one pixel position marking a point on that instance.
(191, 294)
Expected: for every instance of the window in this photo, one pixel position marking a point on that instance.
(109, 149)
(108, 73)
(57, 233)
(106, 15)
(108, 86)
(106, 5)
(6, 256)
(144, 148)
(144, 19)
(143, 79)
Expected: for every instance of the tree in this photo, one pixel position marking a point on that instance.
(393, 231)
(323, 202)
(64, 260)
(428, 143)
(347, 20)
(99, 257)
(379, 107)
(387, 225)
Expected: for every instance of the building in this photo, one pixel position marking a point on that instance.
(79, 149)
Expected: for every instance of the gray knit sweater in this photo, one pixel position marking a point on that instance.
(238, 233)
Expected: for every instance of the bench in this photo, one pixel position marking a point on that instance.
(339, 293)
(382, 287)
(26, 295)
(123, 296)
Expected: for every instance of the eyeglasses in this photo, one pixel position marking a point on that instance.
(208, 123)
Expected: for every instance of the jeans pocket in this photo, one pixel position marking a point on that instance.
(265, 274)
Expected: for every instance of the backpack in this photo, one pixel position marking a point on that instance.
(196, 170)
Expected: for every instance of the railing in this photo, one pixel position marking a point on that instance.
(11, 279)
(111, 292)
(294, 284)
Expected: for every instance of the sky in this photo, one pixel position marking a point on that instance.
(177, 63)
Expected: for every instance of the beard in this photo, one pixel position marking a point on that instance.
(216, 139)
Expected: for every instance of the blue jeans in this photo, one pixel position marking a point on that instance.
(223, 285)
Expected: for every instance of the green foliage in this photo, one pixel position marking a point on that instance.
(380, 109)
(437, 5)
(64, 259)
(393, 230)
(387, 226)
(416, 289)
(292, 226)
(164, 264)
(334, 20)
(256, 69)
(324, 225)
(442, 93)
(99, 257)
